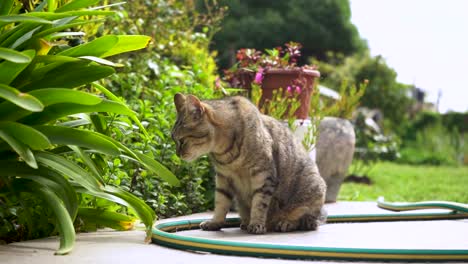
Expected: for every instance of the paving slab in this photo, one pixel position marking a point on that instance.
(128, 247)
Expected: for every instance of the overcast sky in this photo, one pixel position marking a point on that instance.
(425, 41)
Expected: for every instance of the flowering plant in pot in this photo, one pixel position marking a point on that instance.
(277, 77)
(280, 88)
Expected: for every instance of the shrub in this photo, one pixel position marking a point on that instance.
(179, 61)
(455, 120)
(383, 91)
(371, 146)
(421, 121)
(55, 136)
(348, 102)
(437, 139)
(436, 145)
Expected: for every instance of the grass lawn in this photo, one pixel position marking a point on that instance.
(405, 183)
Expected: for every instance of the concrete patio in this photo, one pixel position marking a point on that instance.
(128, 247)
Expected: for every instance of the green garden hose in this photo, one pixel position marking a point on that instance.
(166, 234)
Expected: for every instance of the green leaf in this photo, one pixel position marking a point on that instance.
(69, 75)
(37, 73)
(69, 14)
(114, 98)
(83, 138)
(56, 111)
(94, 48)
(20, 31)
(100, 194)
(51, 5)
(88, 161)
(23, 19)
(101, 61)
(149, 163)
(14, 56)
(52, 30)
(10, 70)
(108, 45)
(63, 21)
(19, 147)
(5, 7)
(46, 177)
(76, 4)
(107, 6)
(26, 134)
(40, 7)
(49, 96)
(6, 33)
(106, 92)
(144, 212)
(128, 43)
(65, 34)
(24, 38)
(22, 100)
(106, 218)
(99, 123)
(70, 169)
(48, 59)
(64, 220)
(159, 169)
(75, 123)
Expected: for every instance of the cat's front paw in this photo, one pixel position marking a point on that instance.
(210, 225)
(256, 228)
(285, 226)
(243, 226)
(309, 222)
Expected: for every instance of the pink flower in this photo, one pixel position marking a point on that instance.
(259, 76)
(289, 89)
(298, 89)
(218, 84)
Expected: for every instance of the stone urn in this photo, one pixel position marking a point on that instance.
(334, 153)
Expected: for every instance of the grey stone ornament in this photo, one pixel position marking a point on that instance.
(334, 150)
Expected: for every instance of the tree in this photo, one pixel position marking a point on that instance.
(383, 90)
(320, 26)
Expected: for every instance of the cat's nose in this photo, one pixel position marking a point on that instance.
(178, 151)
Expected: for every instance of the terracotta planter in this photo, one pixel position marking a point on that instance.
(282, 78)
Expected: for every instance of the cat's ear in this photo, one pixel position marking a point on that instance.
(195, 106)
(179, 101)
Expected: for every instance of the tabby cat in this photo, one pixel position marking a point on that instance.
(258, 162)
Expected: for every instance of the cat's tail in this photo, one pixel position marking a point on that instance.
(322, 218)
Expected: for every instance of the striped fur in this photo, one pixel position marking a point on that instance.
(259, 164)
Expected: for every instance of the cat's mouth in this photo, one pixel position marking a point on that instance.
(187, 156)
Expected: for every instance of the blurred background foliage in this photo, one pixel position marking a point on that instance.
(383, 91)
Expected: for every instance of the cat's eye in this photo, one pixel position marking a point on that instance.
(196, 114)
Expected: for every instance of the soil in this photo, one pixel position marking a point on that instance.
(358, 179)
